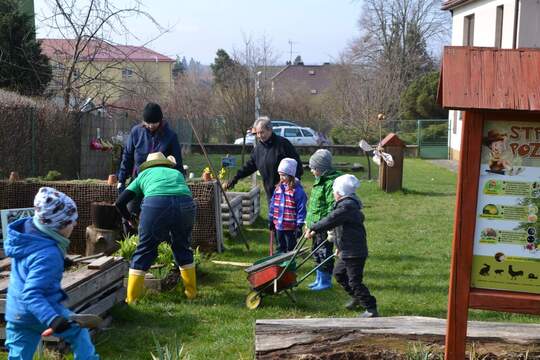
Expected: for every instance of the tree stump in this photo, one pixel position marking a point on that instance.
(101, 240)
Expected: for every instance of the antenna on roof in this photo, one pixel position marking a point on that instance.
(291, 50)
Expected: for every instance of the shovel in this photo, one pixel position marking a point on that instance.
(89, 321)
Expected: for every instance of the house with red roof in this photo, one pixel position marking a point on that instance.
(104, 73)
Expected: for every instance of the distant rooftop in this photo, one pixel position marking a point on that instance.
(98, 50)
(450, 4)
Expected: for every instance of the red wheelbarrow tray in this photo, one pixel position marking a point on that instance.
(268, 269)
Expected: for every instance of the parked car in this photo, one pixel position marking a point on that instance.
(276, 123)
(295, 134)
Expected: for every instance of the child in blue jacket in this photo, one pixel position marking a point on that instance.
(37, 246)
(287, 211)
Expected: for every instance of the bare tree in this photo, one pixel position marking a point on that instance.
(394, 44)
(89, 27)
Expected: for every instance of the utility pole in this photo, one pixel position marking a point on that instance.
(291, 50)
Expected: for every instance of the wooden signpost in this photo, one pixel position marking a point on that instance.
(496, 248)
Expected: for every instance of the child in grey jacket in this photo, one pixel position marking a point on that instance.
(348, 221)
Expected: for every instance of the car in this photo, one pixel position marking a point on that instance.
(297, 135)
(276, 123)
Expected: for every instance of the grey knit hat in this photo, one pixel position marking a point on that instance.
(321, 160)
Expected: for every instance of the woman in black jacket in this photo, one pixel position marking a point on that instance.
(348, 220)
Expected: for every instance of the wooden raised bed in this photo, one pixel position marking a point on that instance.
(227, 219)
(251, 204)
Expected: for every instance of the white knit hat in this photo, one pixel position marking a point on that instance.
(54, 209)
(345, 184)
(287, 166)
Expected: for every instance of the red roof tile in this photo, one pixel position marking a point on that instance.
(98, 50)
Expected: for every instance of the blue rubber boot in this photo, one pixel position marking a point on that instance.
(325, 283)
(317, 279)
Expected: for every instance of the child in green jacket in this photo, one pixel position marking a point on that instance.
(321, 202)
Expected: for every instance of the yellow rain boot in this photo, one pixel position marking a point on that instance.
(189, 278)
(135, 285)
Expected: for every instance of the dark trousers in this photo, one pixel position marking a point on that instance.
(349, 273)
(165, 219)
(324, 252)
(286, 240)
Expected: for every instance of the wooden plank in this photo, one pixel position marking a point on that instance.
(5, 264)
(298, 338)
(504, 301)
(95, 285)
(101, 263)
(104, 305)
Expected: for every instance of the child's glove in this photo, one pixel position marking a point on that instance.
(68, 263)
(331, 235)
(60, 324)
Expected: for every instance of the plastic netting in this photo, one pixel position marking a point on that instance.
(20, 194)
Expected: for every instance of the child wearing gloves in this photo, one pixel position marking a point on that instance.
(37, 246)
(321, 202)
(287, 211)
(348, 220)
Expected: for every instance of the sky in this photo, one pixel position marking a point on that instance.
(318, 29)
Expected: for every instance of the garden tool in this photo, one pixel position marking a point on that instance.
(189, 278)
(214, 174)
(89, 321)
(135, 285)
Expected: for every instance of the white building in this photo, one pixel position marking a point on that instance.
(506, 24)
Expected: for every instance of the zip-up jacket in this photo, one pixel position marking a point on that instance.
(142, 142)
(321, 199)
(265, 157)
(348, 219)
(288, 207)
(34, 294)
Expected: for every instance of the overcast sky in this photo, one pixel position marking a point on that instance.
(319, 29)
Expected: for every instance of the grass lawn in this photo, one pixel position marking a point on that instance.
(409, 237)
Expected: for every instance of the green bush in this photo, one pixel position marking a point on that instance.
(52, 175)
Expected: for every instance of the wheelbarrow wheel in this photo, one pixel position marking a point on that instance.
(253, 300)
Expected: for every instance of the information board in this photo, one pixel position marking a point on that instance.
(506, 254)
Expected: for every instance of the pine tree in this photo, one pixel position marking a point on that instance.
(23, 67)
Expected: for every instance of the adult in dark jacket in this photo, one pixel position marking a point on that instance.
(348, 221)
(266, 157)
(152, 135)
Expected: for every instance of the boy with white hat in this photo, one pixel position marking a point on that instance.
(347, 218)
(37, 246)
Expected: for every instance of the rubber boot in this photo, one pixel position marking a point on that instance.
(189, 278)
(135, 286)
(325, 283)
(317, 279)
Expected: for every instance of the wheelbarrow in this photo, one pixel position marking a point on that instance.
(277, 273)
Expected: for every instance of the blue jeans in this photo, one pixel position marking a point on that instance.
(22, 341)
(169, 219)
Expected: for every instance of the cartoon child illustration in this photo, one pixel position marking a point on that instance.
(498, 162)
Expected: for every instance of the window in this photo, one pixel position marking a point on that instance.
(313, 91)
(127, 73)
(499, 26)
(468, 30)
(76, 74)
(311, 72)
(276, 131)
(307, 133)
(292, 132)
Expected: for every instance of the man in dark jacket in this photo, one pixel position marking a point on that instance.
(266, 156)
(348, 220)
(152, 135)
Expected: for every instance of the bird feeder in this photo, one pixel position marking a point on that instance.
(391, 177)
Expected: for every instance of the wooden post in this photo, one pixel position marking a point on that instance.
(462, 245)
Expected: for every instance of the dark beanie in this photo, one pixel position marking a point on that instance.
(152, 113)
